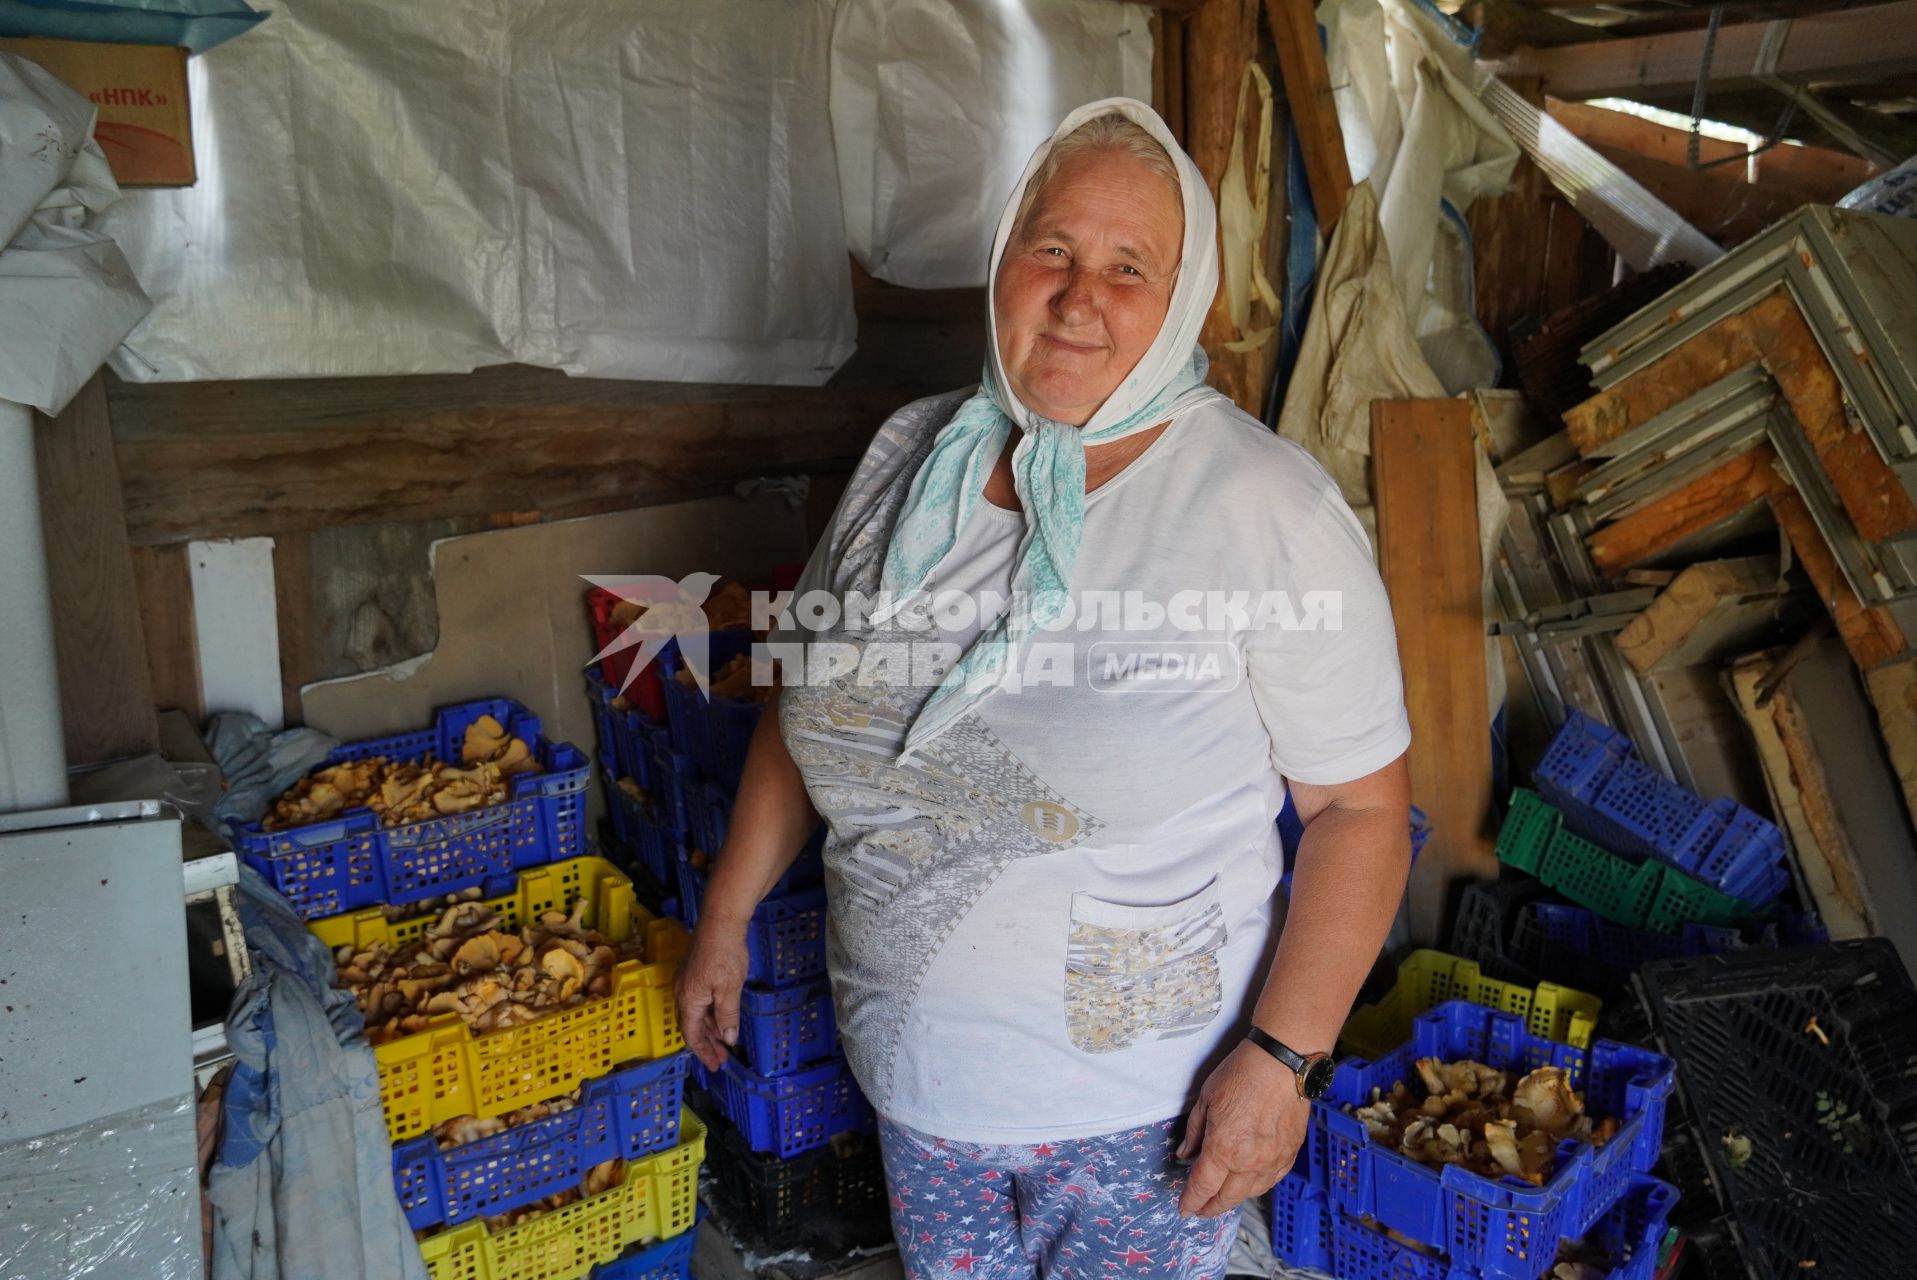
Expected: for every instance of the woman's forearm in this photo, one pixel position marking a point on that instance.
(1345, 888)
(772, 817)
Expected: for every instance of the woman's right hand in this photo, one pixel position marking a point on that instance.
(708, 989)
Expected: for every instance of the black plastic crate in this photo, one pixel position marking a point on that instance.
(831, 1197)
(1830, 1185)
(1487, 916)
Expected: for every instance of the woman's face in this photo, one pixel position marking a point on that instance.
(1085, 282)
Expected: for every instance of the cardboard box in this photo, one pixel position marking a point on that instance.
(145, 127)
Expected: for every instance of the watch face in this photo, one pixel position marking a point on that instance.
(1317, 1077)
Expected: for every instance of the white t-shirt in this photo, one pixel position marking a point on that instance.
(1052, 923)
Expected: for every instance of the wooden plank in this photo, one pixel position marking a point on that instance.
(1222, 40)
(1856, 807)
(164, 586)
(1314, 113)
(293, 598)
(1801, 803)
(1871, 633)
(1422, 455)
(1893, 695)
(1710, 499)
(106, 694)
(239, 459)
(1845, 47)
(1772, 333)
(1709, 612)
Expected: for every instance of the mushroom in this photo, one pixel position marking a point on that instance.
(476, 955)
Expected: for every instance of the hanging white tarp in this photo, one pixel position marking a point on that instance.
(66, 296)
(617, 188)
(938, 104)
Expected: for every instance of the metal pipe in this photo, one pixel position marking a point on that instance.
(33, 763)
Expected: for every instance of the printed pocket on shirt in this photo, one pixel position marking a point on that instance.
(1137, 974)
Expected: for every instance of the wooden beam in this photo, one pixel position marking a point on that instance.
(1709, 612)
(1804, 175)
(1421, 453)
(1771, 333)
(1314, 113)
(106, 695)
(238, 459)
(1221, 41)
(1702, 503)
(1870, 633)
(1843, 47)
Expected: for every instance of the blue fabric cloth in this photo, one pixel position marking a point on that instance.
(197, 25)
(302, 1188)
(259, 763)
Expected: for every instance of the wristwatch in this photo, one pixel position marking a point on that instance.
(1313, 1070)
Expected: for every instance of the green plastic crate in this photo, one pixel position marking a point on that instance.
(1528, 827)
(1641, 895)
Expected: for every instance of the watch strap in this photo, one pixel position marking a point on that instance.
(1277, 1049)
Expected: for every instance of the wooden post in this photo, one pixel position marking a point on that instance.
(106, 694)
(1421, 455)
(1301, 63)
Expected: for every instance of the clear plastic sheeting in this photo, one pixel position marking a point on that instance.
(938, 104)
(1416, 130)
(66, 295)
(616, 188)
(116, 1197)
(1644, 230)
(1893, 193)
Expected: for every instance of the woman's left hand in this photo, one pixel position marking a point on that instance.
(1245, 1131)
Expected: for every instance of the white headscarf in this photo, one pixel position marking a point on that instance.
(1048, 466)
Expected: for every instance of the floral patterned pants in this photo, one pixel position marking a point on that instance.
(1078, 1209)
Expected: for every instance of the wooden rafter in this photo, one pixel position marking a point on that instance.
(1844, 47)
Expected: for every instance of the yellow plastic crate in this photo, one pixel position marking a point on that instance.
(657, 1201)
(451, 1070)
(1429, 978)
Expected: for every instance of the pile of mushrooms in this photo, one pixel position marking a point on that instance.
(601, 1177)
(739, 678)
(403, 791)
(492, 977)
(1466, 1117)
(461, 1130)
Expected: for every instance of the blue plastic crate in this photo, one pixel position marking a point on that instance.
(354, 860)
(1580, 759)
(1640, 811)
(626, 734)
(1608, 796)
(787, 939)
(1504, 1228)
(787, 1029)
(1630, 1234)
(1300, 1224)
(625, 1114)
(667, 1260)
(1748, 858)
(788, 1115)
(675, 787)
(637, 828)
(715, 732)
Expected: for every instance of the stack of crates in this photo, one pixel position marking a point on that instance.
(793, 1149)
(1361, 1210)
(354, 880)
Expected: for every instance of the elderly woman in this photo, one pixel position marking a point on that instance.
(1052, 863)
